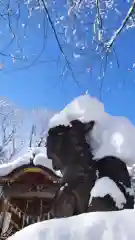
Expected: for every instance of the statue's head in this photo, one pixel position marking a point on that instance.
(66, 143)
(57, 142)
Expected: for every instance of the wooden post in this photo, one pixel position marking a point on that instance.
(3, 213)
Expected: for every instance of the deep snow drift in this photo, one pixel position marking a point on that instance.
(112, 135)
(90, 226)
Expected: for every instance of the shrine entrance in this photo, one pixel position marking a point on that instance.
(26, 197)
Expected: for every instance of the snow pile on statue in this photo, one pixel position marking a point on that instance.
(86, 145)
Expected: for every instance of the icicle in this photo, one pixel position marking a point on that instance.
(27, 219)
(15, 210)
(20, 214)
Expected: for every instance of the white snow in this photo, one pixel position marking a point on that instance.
(112, 135)
(117, 139)
(6, 168)
(105, 186)
(58, 173)
(91, 226)
(82, 108)
(130, 169)
(39, 159)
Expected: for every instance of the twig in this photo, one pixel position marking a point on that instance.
(98, 14)
(58, 42)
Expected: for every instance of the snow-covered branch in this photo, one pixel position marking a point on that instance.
(82, 30)
(131, 11)
(21, 130)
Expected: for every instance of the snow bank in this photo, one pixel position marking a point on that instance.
(105, 186)
(91, 226)
(111, 135)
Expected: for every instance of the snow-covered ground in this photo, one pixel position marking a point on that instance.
(90, 226)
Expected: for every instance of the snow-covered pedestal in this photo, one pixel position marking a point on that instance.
(91, 226)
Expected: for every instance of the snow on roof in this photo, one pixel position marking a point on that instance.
(111, 135)
(94, 226)
(105, 186)
(39, 159)
(6, 168)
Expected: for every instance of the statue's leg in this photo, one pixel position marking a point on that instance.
(64, 205)
(116, 170)
(104, 204)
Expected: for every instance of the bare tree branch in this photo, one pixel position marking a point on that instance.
(99, 15)
(58, 42)
(33, 132)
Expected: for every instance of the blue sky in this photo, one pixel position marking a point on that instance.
(41, 85)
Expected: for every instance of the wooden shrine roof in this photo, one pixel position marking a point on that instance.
(25, 172)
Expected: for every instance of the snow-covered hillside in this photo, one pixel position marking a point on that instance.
(90, 226)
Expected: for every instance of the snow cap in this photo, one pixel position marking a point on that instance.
(111, 135)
